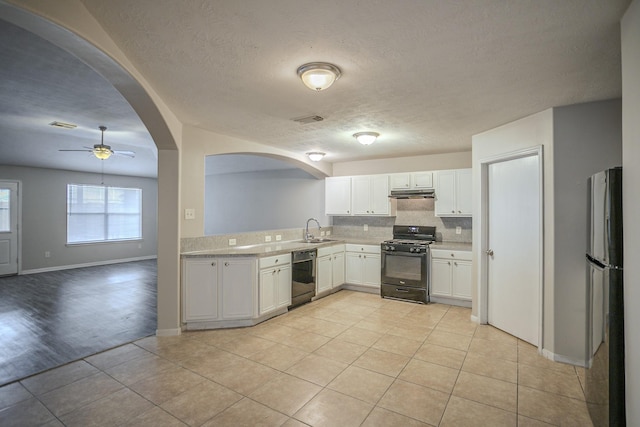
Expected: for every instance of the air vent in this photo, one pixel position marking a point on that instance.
(63, 125)
(308, 119)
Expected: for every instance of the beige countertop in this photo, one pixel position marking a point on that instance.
(278, 248)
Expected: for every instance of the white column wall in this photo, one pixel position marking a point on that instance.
(630, 27)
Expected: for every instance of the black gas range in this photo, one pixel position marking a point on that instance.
(405, 263)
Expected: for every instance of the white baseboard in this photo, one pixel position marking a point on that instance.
(88, 264)
(564, 359)
(168, 332)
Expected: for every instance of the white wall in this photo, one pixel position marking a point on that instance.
(631, 206)
(429, 162)
(44, 218)
(525, 133)
(263, 200)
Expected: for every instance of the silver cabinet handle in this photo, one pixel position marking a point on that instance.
(455, 263)
(490, 252)
(459, 211)
(213, 264)
(226, 264)
(453, 211)
(276, 260)
(453, 254)
(448, 262)
(273, 272)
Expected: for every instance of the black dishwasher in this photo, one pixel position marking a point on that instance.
(303, 276)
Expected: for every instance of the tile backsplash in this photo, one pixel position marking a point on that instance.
(409, 212)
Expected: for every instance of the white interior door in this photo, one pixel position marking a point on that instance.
(8, 228)
(514, 239)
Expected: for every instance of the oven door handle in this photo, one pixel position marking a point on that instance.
(421, 254)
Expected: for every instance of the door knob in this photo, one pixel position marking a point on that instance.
(490, 252)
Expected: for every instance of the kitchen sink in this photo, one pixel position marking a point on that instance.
(319, 240)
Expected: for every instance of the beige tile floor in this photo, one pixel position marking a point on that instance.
(350, 359)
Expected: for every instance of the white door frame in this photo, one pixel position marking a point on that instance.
(19, 218)
(483, 265)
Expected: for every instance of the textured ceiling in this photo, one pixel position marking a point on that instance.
(425, 74)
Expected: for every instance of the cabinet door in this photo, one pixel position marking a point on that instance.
(353, 267)
(337, 195)
(283, 291)
(440, 277)
(400, 181)
(445, 193)
(379, 202)
(463, 192)
(238, 282)
(361, 195)
(371, 265)
(267, 290)
(423, 180)
(324, 274)
(200, 290)
(337, 268)
(461, 279)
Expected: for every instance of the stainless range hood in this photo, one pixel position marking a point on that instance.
(412, 194)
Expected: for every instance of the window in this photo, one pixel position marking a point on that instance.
(5, 213)
(97, 213)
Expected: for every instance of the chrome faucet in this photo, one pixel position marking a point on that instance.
(308, 236)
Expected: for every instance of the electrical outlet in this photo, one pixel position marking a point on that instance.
(232, 242)
(366, 227)
(458, 230)
(47, 254)
(267, 238)
(278, 237)
(189, 214)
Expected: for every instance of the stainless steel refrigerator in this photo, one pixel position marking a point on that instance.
(604, 385)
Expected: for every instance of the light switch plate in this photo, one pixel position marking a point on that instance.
(267, 238)
(458, 230)
(232, 242)
(278, 237)
(189, 214)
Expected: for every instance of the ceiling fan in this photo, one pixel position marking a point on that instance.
(102, 151)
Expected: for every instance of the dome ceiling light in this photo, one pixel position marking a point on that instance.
(315, 156)
(318, 75)
(366, 138)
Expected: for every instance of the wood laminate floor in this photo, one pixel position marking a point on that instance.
(50, 319)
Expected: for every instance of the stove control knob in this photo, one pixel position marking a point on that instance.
(386, 248)
(411, 249)
(392, 248)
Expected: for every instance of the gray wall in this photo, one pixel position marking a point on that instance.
(587, 139)
(44, 209)
(631, 178)
(264, 200)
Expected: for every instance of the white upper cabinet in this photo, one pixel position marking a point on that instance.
(453, 193)
(337, 195)
(411, 181)
(370, 195)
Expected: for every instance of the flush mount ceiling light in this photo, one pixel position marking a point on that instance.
(315, 156)
(366, 138)
(318, 75)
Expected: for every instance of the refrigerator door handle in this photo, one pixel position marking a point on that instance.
(596, 263)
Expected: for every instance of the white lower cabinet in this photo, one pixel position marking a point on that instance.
(329, 268)
(451, 274)
(215, 289)
(199, 289)
(363, 263)
(274, 283)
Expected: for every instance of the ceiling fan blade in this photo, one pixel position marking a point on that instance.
(84, 151)
(131, 154)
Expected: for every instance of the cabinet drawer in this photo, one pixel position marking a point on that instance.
(374, 249)
(330, 250)
(446, 254)
(275, 260)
